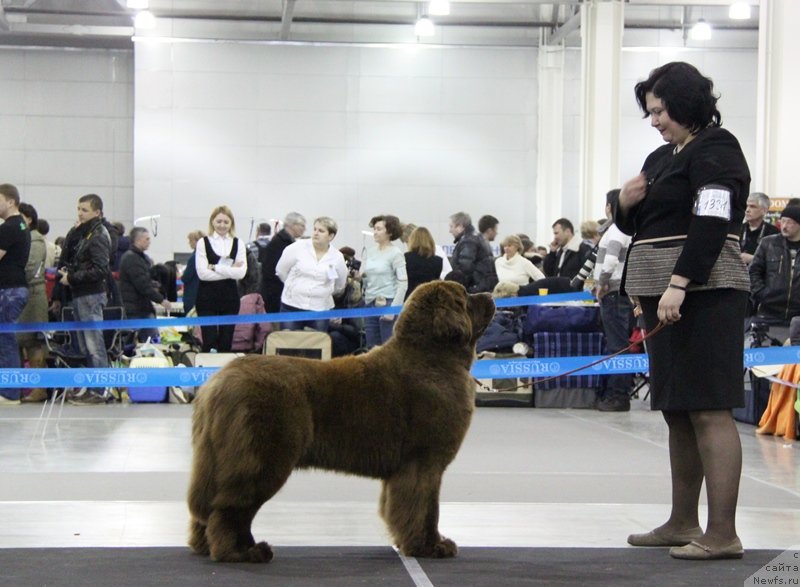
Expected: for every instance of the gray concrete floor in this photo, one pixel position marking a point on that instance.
(117, 475)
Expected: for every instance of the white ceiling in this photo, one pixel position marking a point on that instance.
(109, 23)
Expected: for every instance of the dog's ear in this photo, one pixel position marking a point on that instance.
(451, 316)
(438, 311)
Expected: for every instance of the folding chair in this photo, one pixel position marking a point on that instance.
(62, 352)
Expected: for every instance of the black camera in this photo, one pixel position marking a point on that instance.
(352, 263)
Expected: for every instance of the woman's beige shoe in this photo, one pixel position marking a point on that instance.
(700, 552)
(654, 538)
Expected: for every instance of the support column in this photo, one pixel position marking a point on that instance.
(777, 125)
(550, 152)
(601, 33)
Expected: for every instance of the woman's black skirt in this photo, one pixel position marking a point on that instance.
(697, 363)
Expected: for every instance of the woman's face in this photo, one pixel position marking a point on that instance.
(671, 131)
(379, 232)
(222, 224)
(510, 250)
(321, 236)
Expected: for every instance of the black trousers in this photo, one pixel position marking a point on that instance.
(217, 298)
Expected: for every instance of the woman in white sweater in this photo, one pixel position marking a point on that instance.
(312, 272)
(513, 267)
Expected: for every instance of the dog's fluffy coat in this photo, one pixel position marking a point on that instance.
(398, 413)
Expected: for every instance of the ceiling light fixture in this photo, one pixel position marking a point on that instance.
(138, 4)
(701, 31)
(739, 11)
(144, 20)
(439, 7)
(424, 27)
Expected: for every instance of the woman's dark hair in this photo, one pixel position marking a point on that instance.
(43, 226)
(30, 212)
(393, 226)
(687, 95)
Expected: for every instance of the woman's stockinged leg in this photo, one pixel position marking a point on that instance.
(686, 469)
(721, 453)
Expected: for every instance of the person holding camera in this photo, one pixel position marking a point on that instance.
(684, 211)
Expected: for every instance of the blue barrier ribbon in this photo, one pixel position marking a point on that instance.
(490, 369)
(137, 323)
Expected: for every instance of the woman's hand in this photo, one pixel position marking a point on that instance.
(669, 306)
(633, 191)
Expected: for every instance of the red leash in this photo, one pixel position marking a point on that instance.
(650, 334)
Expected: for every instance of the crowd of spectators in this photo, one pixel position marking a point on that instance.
(98, 264)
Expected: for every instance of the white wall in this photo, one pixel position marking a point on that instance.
(343, 131)
(66, 123)
(734, 73)
(348, 132)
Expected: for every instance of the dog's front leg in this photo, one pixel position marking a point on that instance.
(410, 506)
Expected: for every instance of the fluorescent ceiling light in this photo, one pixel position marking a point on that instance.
(145, 20)
(138, 4)
(739, 11)
(439, 7)
(424, 27)
(701, 31)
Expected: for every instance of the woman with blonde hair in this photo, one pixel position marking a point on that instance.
(422, 263)
(220, 260)
(512, 266)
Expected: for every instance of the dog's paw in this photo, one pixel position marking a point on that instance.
(445, 548)
(197, 539)
(260, 553)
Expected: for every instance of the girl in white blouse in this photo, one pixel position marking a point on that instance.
(220, 259)
(312, 272)
(513, 267)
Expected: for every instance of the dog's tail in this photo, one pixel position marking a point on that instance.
(202, 485)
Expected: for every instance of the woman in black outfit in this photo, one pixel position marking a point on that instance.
(684, 211)
(422, 263)
(220, 261)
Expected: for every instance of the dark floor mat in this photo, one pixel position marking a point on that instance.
(177, 567)
(350, 566)
(498, 567)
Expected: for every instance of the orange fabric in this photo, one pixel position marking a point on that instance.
(780, 417)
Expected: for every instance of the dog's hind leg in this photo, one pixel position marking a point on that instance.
(243, 487)
(411, 510)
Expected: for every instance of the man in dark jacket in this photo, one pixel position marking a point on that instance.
(775, 275)
(86, 274)
(271, 286)
(567, 251)
(472, 255)
(136, 287)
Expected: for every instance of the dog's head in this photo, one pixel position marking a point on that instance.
(443, 312)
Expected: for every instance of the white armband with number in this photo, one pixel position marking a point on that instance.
(713, 201)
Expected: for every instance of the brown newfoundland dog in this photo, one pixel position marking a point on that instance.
(397, 413)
